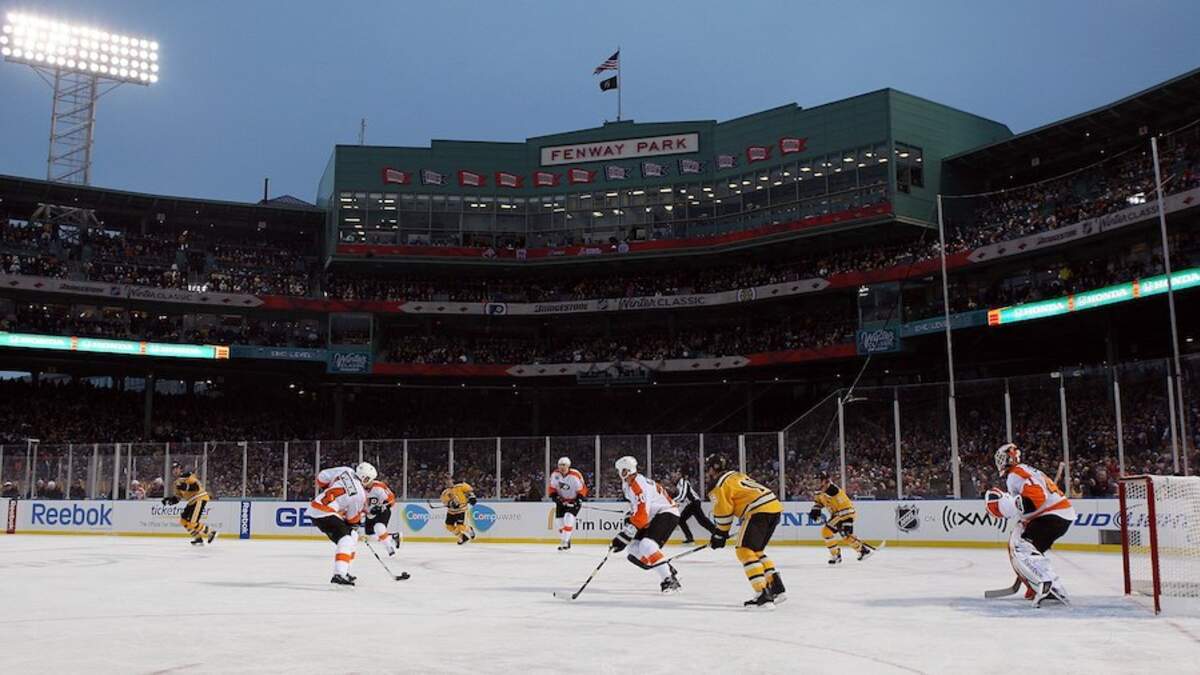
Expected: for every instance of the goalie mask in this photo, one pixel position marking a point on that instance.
(1007, 455)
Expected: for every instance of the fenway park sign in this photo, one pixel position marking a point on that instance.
(629, 148)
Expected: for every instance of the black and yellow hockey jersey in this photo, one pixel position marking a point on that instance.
(835, 500)
(737, 495)
(458, 497)
(188, 487)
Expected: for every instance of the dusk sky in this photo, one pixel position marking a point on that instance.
(266, 88)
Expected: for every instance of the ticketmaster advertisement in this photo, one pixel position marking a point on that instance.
(918, 522)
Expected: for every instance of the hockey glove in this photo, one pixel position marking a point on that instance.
(472, 500)
(170, 501)
(718, 539)
(376, 510)
(622, 540)
(579, 499)
(815, 513)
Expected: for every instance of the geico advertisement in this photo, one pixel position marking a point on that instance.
(107, 516)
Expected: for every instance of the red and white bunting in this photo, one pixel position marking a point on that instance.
(758, 153)
(471, 179)
(575, 176)
(509, 180)
(545, 179)
(396, 176)
(789, 145)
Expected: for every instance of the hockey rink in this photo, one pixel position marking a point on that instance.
(156, 605)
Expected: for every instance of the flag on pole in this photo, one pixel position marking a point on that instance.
(612, 172)
(611, 63)
(397, 176)
(653, 170)
(609, 83)
(429, 177)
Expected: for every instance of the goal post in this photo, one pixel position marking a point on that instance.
(1160, 540)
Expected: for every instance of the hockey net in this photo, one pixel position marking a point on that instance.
(1160, 540)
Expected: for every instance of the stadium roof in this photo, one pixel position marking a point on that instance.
(1160, 108)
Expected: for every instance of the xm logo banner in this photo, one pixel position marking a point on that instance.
(953, 518)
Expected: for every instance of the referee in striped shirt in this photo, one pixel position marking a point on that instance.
(689, 507)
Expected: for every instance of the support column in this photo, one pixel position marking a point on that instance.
(1120, 427)
(896, 436)
(498, 495)
(841, 417)
(782, 473)
(148, 407)
(1066, 441)
(1007, 413)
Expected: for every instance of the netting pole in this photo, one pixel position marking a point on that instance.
(1166, 252)
(360, 451)
(742, 453)
(1171, 415)
(546, 468)
(286, 449)
(245, 465)
(649, 458)
(1, 462)
(953, 409)
(896, 433)
(841, 440)
(1066, 441)
(498, 495)
(30, 472)
(450, 456)
(93, 469)
(1007, 413)
(703, 487)
(116, 477)
(70, 462)
(598, 481)
(166, 467)
(782, 477)
(406, 469)
(1120, 426)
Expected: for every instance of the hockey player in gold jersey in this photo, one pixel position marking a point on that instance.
(839, 526)
(458, 497)
(736, 495)
(188, 488)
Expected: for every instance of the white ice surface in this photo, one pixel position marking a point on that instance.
(132, 605)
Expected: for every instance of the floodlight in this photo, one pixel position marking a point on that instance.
(81, 63)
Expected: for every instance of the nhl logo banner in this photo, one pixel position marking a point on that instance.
(726, 161)
(396, 176)
(758, 153)
(616, 173)
(509, 180)
(580, 176)
(545, 179)
(432, 178)
(789, 145)
(470, 179)
(690, 166)
(653, 170)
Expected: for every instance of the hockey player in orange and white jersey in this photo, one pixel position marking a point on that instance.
(338, 507)
(1045, 514)
(380, 500)
(568, 491)
(653, 517)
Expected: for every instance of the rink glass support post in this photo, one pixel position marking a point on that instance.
(405, 469)
(245, 463)
(1171, 411)
(30, 470)
(498, 467)
(284, 496)
(70, 458)
(128, 469)
(896, 435)
(204, 465)
(742, 453)
(1120, 424)
(1007, 413)
(546, 468)
(598, 481)
(360, 453)
(450, 456)
(316, 461)
(703, 487)
(649, 458)
(93, 469)
(1066, 441)
(782, 472)
(1, 462)
(166, 467)
(841, 417)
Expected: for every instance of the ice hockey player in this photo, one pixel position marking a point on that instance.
(653, 517)
(188, 488)
(1045, 515)
(839, 526)
(380, 500)
(458, 497)
(338, 508)
(736, 495)
(689, 507)
(568, 491)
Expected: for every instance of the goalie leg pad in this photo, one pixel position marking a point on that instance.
(1030, 564)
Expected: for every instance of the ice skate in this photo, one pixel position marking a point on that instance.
(342, 580)
(865, 552)
(836, 559)
(764, 600)
(670, 585)
(776, 588)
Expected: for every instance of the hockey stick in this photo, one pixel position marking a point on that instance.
(597, 508)
(434, 506)
(563, 595)
(1004, 592)
(677, 556)
(395, 577)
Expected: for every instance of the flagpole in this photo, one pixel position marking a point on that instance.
(618, 83)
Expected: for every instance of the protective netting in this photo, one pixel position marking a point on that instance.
(1161, 540)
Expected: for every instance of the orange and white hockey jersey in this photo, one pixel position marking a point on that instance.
(1034, 494)
(647, 499)
(568, 486)
(343, 496)
(379, 494)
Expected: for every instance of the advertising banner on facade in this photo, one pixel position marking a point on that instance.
(278, 353)
(626, 148)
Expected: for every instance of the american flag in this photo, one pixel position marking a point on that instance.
(653, 170)
(432, 178)
(690, 166)
(616, 173)
(726, 161)
(611, 63)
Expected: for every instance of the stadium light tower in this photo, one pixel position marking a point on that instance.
(81, 64)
